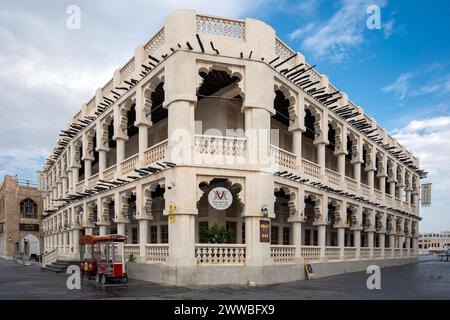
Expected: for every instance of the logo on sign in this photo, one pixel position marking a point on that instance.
(220, 198)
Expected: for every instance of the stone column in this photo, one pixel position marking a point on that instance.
(143, 239)
(341, 241)
(297, 237)
(341, 166)
(321, 157)
(371, 179)
(382, 182)
(401, 240)
(408, 196)
(121, 228)
(370, 242)
(101, 161)
(357, 241)
(357, 172)
(87, 169)
(414, 245)
(322, 237)
(64, 184)
(69, 179)
(142, 121)
(76, 242)
(297, 149)
(381, 242)
(87, 158)
(408, 244)
(120, 156)
(392, 244)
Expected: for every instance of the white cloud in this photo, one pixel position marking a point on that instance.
(388, 28)
(432, 78)
(297, 34)
(400, 86)
(335, 38)
(429, 140)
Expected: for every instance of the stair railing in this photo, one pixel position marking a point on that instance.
(49, 257)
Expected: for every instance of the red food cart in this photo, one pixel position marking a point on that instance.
(88, 262)
(103, 256)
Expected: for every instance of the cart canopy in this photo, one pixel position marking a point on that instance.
(90, 239)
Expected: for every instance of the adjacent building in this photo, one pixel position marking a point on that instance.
(20, 216)
(434, 242)
(216, 122)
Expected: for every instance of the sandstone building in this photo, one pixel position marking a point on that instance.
(20, 216)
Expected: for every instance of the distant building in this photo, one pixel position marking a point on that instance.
(20, 215)
(434, 241)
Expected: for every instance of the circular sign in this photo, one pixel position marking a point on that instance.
(220, 198)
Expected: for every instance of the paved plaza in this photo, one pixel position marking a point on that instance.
(427, 279)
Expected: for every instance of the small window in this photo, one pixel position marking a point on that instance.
(274, 235)
(134, 235)
(153, 234)
(232, 226)
(28, 209)
(286, 235)
(307, 237)
(164, 234)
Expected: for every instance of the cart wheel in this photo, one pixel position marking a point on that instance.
(103, 279)
(97, 278)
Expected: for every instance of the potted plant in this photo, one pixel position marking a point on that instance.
(215, 234)
(131, 258)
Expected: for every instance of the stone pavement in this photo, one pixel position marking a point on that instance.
(427, 279)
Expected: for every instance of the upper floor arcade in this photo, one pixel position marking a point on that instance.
(237, 92)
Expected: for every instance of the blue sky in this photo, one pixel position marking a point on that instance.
(399, 74)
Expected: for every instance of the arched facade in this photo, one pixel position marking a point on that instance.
(183, 122)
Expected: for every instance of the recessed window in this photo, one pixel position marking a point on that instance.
(28, 209)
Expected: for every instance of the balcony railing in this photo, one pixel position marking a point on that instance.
(220, 254)
(333, 177)
(349, 253)
(108, 174)
(129, 164)
(311, 169)
(310, 253)
(388, 198)
(377, 253)
(79, 186)
(221, 26)
(282, 254)
(365, 190)
(351, 184)
(155, 153)
(131, 249)
(378, 195)
(364, 253)
(333, 253)
(282, 157)
(220, 146)
(156, 253)
(92, 181)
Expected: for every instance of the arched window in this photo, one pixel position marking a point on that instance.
(28, 209)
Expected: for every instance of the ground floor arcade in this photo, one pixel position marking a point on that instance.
(223, 221)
